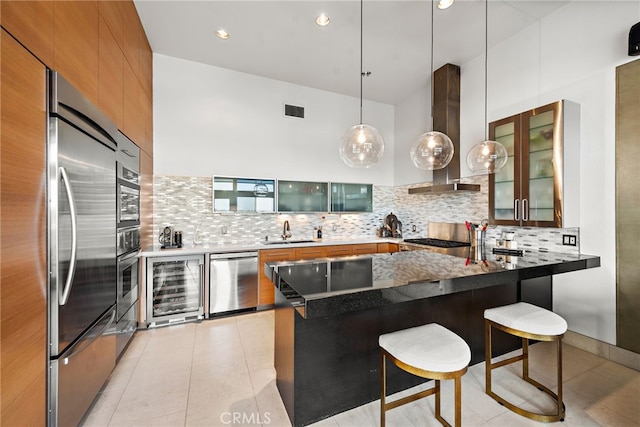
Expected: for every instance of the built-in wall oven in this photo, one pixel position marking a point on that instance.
(128, 241)
(128, 173)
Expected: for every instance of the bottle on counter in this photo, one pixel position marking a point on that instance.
(319, 232)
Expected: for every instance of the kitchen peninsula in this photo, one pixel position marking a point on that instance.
(330, 312)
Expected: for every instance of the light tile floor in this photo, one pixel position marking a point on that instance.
(220, 373)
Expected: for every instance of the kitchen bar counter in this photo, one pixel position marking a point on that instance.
(330, 313)
(325, 287)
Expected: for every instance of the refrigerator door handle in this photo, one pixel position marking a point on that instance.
(66, 290)
(77, 350)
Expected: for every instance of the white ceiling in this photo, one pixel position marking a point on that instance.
(280, 40)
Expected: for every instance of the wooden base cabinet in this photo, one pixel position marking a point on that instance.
(539, 186)
(23, 278)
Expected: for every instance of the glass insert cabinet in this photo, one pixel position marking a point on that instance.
(539, 186)
(351, 197)
(303, 196)
(258, 195)
(243, 194)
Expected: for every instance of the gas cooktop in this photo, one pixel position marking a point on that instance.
(439, 243)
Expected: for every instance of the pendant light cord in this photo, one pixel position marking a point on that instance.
(361, 66)
(486, 67)
(431, 68)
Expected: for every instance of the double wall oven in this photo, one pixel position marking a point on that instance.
(128, 240)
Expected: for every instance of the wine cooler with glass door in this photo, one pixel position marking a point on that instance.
(174, 289)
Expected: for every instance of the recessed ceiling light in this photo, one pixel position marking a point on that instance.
(222, 34)
(443, 4)
(322, 20)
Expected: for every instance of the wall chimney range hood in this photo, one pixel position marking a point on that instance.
(446, 118)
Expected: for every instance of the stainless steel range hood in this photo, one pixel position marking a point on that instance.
(446, 118)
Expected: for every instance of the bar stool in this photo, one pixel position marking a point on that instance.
(428, 351)
(528, 322)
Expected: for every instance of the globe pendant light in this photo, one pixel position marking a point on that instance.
(487, 156)
(362, 145)
(433, 150)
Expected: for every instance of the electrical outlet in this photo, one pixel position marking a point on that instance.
(569, 240)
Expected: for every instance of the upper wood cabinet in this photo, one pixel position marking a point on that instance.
(31, 22)
(133, 107)
(146, 64)
(539, 186)
(110, 75)
(113, 15)
(76, 44)
(98, 46)
(23, 268)
(131, 40)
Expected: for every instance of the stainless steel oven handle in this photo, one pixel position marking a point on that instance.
(84, 344)
(66, 290)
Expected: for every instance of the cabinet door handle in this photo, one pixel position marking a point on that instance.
(516, 209)
(201, 284)
(525, 210)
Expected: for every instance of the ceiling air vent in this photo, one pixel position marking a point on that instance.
(293, 111)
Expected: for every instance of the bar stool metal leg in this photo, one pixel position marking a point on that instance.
(383, 389)
(412, 351)
(524, 357)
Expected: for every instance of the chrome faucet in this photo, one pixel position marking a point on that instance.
(286, 230)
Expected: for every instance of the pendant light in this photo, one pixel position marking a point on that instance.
(362, 145)
(487, 156)
(433, 150)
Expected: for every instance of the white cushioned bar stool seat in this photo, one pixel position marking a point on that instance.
(526, 321)
(428, 351)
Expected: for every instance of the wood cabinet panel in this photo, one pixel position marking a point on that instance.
(112, 13)
(366, 248)
(146, 64)
(339, 250)
(76, 44)
(146, 204)
(23, 228)
(132, 124)
(131, 35)
(266, 287)
(388, 247)
(311, 252)
(145, 123)
(110, 75)
(31, 22)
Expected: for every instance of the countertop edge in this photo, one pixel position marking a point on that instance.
(156, 251)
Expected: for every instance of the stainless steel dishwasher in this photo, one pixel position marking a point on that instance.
(233, 281)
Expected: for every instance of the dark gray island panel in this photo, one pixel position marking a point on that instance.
(328, 317)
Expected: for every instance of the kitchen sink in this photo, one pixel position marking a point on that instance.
(284, 242)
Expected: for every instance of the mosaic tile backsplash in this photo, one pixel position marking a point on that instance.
(185, 204)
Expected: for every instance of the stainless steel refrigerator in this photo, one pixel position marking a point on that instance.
(81, 192)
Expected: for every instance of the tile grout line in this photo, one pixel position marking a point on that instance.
(123, 389)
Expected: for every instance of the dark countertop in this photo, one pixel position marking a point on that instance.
(331, 286)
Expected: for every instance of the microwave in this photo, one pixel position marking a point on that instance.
(128, 196)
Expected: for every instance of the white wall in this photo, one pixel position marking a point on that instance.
(571, 54)
(209, 120)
